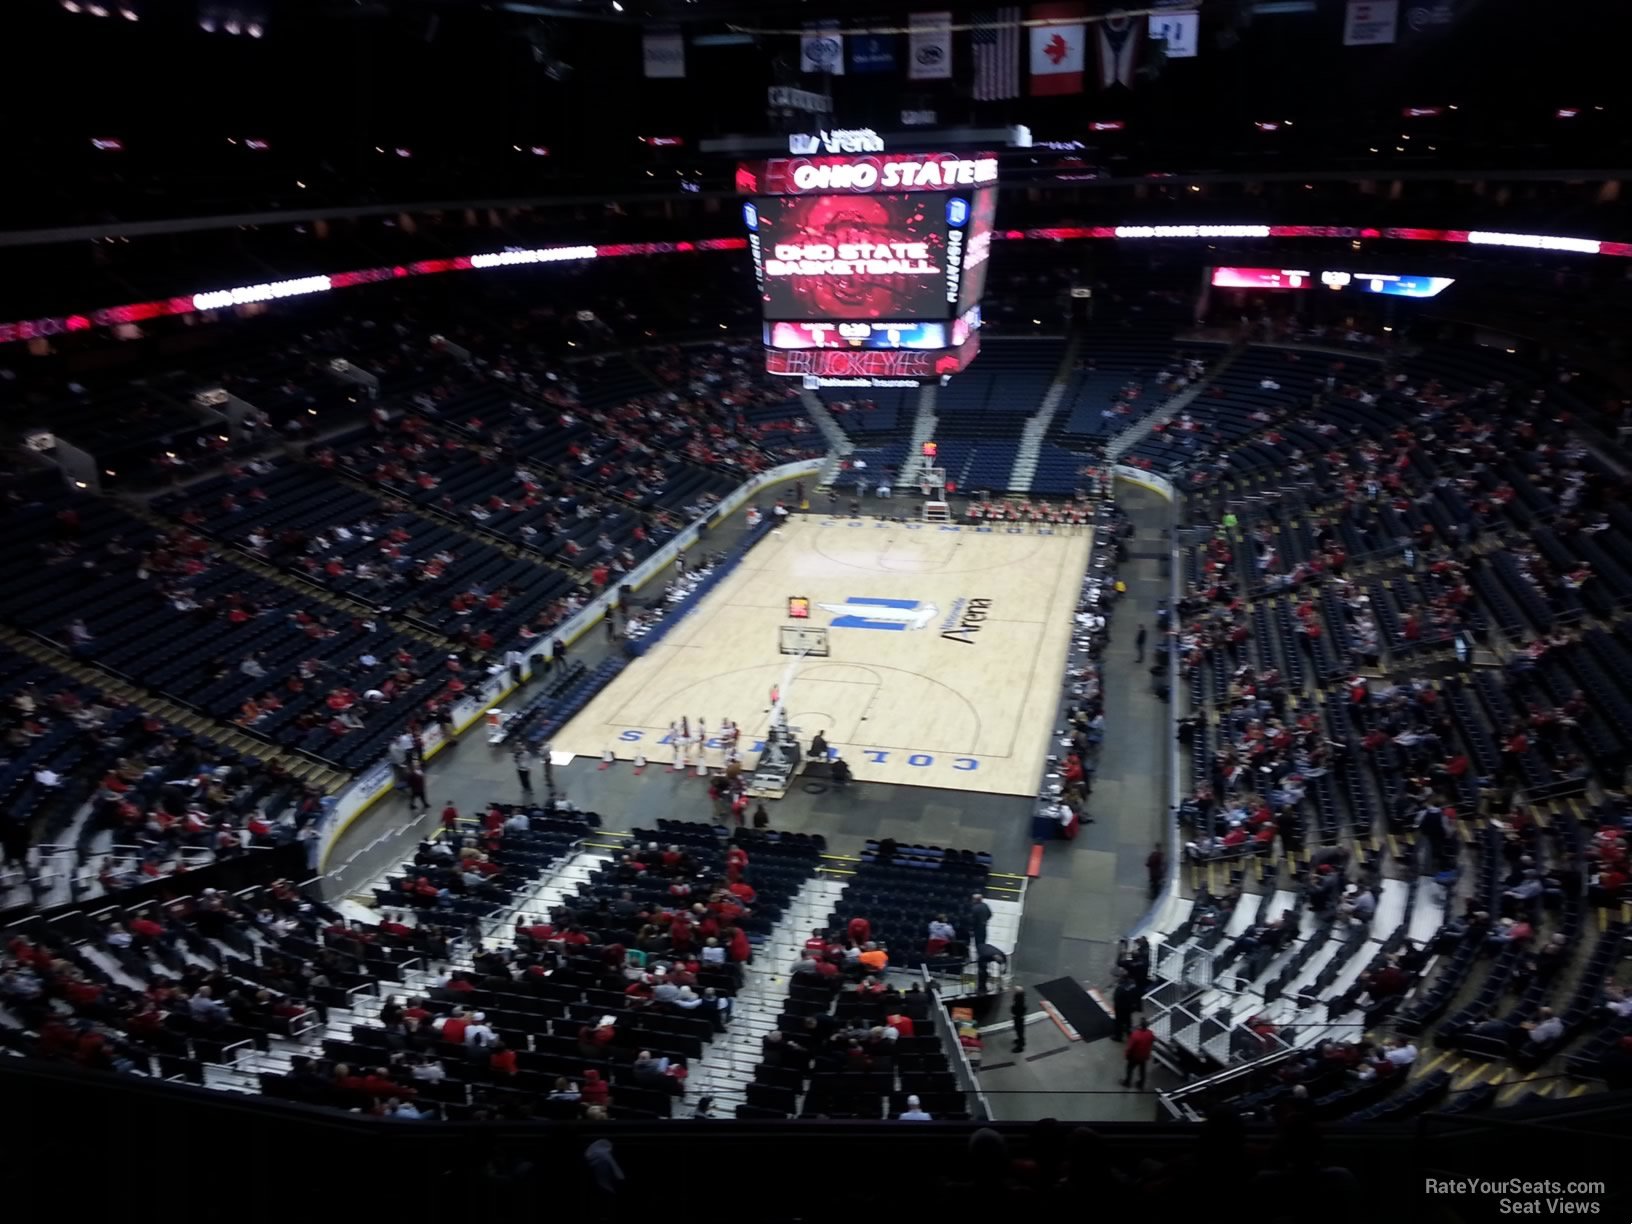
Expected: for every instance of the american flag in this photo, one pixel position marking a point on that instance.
(996, 39)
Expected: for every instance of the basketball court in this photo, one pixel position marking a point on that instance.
(932, 654)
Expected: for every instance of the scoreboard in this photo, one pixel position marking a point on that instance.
(870, 268)
(1390, 284)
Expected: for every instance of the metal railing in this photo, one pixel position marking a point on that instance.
(968, 1082)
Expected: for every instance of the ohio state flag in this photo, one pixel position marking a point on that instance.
(1118, 45)
(1058, 49)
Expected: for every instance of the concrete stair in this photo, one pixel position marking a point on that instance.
(1036, 429)
(924, 425)
(839, 444)
(727, 1066)
(1130, 437)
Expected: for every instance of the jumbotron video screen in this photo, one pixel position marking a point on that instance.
(854, 257)
(845, 266)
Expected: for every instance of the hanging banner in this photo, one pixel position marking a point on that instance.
(785, 97)
(1117, 41)
(1371, 23)
(821, 48)
(1181, 31)
(1430, 18)
(872, 53)
(929, 47)
(665, 53)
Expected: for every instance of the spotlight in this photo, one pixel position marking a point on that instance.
(233, 26)
(129, 14)
(96, 10)
(254, 29)
(71, 6)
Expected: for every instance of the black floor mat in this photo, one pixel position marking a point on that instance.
(1077, 1008)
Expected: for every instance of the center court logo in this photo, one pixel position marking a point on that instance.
(858, 612)
(961, 623)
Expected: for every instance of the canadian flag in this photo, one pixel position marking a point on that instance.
(1057, 49)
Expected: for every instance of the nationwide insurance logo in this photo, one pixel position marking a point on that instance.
(892, 615)
(961, 625)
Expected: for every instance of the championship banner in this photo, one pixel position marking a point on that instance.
(1180, 31)
(872, 53)
(1057, 49)
(929, 47)
(1117, 41)
(665, 50)
(821, 48)
(1431, 18)
(1371, 23)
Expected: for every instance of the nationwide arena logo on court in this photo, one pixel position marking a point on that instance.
(961, 624)
(965, 620)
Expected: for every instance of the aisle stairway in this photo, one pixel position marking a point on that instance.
(727, 1065)
(923, 429)
(1031, 437)
(837, 439)
(1130, 437)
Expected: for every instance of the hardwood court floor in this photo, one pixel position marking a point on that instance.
(951, 683)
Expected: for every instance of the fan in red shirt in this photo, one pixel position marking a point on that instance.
(144, 928)
(595, 1090)
(395, 928)
(1137, 1053)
